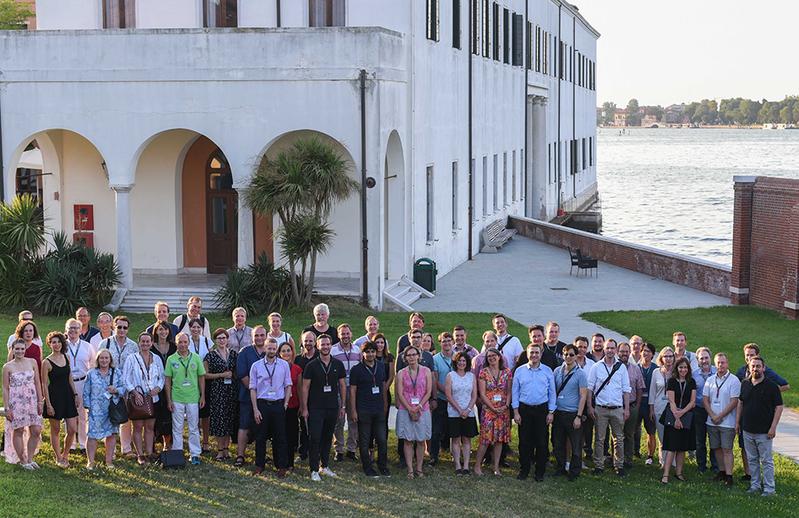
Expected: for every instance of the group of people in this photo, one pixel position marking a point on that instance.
(254, 384)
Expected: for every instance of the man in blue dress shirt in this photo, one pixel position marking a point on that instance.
(534, 402)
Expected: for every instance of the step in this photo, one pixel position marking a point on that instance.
(410, 297)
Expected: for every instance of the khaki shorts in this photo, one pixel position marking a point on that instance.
(720, 437)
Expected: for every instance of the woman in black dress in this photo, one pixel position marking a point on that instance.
(59, 397)
(163, 347)
(679, 436)
(222, 387)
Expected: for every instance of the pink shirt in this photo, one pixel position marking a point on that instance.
(415, 387)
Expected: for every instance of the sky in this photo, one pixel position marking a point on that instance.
(672, 51)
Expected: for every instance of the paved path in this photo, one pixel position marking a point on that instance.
(529, 281)
(787, 440)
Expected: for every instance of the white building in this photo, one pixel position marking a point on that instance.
(154, 127)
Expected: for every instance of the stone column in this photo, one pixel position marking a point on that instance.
(537, 155)
(742, 240)
(246, 239)
(124, 253)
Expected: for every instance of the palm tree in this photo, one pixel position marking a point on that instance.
(301, 185)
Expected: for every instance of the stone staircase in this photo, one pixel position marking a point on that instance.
(404, 292)
(142, 300)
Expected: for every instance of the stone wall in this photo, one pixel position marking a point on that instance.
(687, 271)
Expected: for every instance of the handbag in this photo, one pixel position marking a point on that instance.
(145, 410)
(172, 459)
(117, 410)
(137, 412)
(667, 418)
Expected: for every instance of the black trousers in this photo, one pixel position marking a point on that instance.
(292, 435)
(321, 425)
(304, 439)
(273, 426)
(372, 428)
(439, 428)
(563, 430)
(533, 438)
(588, 436)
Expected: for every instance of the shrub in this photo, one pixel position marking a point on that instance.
(260, 288)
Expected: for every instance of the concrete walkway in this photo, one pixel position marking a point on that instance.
(786, 441)
(529, 281)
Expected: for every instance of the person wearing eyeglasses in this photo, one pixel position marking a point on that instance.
(657, 392)
(121, 348)
(534, 402)
(636, 394)
(571, 388)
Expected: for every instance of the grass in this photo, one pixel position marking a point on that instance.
(722, 329)
(217, 489)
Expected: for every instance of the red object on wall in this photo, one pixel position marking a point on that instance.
(87, 238)
(84, 217)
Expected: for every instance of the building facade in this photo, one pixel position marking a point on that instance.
(150, 117)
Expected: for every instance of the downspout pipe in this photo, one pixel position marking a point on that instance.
(527, 58)
(470, 116)
(2, 168)
(364, 238)
(278, 11)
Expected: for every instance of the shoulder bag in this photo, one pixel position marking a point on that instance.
(145, 410)
(117, 410)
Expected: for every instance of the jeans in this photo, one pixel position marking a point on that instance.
(615, 418)
(372, 426)
(186, 412)
(533, 438)
(439, 417)
(321, 424)
(761, 461)
(352, 431)
(563, 430)
(702, 452)
(630, 425)
(272, 426)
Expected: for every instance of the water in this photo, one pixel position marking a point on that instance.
(673, 188)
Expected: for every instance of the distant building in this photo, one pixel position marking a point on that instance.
(620, 118)
(153, 115)
(649, 121)
(674, 114)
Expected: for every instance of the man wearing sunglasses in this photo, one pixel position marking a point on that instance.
(121, 348)
(571, 389)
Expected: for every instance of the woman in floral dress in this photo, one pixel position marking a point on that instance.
(22, 393)
(103, 383)
(494, 391)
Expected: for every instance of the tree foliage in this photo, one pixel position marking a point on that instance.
(14, 15)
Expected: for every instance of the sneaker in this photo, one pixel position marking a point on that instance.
(371, 473)
(385, 472)
(327, 472)
(648, 461)
(315, 476)
(729, 481)
(753, 490)
(769, 493)
(620, 472)
(195, 461)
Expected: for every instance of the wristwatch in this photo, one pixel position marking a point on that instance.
(582, 417)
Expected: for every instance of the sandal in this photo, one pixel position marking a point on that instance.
(419, 474)
(664, 480)
(497, 473)
(410, 475)
(220, 455)
(239, 461)
(679, 477)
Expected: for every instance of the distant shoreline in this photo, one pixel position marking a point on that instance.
(687, 126)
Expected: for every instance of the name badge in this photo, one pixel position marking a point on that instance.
(227, 381)
(415, 400)
(186, 383)
(108, 395)
(716, 404)
(271, 394)
(375, 390)
(347, 380)
(327, 388)
(175, 365)
(562, 396)
(497, 398)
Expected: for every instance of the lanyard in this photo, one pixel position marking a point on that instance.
(718, 387)
(270, 375)
(682, 391)
(447, 363)
(142, 364)
(347, 359)
(239, 335)
(326, 370)
(74, 354)
(196, 345)
(373, 373)
(414, 380)
(185, 366)
(496, 378)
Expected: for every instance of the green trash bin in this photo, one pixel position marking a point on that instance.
(424, 273)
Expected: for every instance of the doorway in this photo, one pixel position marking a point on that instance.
(221, 215)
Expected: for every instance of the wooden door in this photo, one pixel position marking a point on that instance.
(221, 216)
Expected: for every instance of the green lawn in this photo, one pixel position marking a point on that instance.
(217, 489)
(722, 329)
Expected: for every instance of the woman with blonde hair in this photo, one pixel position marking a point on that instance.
(657, 391)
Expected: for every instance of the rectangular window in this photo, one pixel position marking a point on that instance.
(518, 40)
(495, 32)
(591, 151)
(485, 186)
(528, 46)
(506, 36)
(560, 60)
(476, 27)
(523, 169)
(326, 13)
(545, 54)
(486, 17)
(513, 176)
(549, 162)
(472, 197)
(583, 153)
(505, 178)
(454, 196)
(432, 19)
(119, 14)
(456, 24)
(430, 198)
(495, 184)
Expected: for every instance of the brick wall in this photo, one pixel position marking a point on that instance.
(766, 243)
(687, 271)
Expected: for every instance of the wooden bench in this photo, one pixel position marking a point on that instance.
(494, 235)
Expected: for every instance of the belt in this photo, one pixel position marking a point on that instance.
(533, 406)
(79, 379)
(609, 407)
(271, 401)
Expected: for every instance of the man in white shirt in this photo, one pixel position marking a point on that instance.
(80, 355)
(193, 310)
(25, 314)
(105, 322)
(609, 403)
(720, 399)
(121, 348)
(240, 335)
(507, 344)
